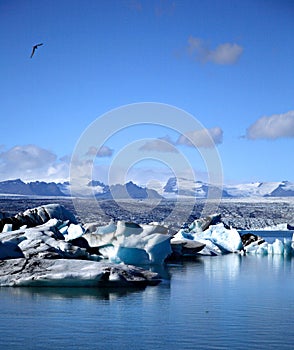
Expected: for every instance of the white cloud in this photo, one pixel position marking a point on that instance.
(163, 144)
(272, 127)
(206, 138)
(27, 157)
(103, 151)
(30, 162)
(224, 54)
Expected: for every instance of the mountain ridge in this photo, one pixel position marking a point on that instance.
(34, 188)
(171, 189)
(199, 189)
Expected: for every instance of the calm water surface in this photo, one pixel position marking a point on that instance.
(226, 302)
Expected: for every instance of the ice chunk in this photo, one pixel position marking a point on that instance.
(217, 239)
(144, 249)
(278, 247)
(74, 231)
(131, 243)
(229, 240)
(287, 246)
(262, 248)
(72, 273)
(7, 228)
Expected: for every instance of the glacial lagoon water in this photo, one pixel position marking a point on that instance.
(224, 302)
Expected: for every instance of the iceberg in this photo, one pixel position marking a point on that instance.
(132, 243)
(40, 256)
(72, 273)
(63, 237)
(217, 239)
(37, 216)
(278, 247)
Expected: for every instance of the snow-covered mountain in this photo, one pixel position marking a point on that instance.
(99, 189)
(262, 189)
(174, 187)
(198, 189)
(184, 187)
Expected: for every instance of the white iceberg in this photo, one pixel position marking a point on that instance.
(217, 239)
(278, 247)
(74, 231)
(131, 243)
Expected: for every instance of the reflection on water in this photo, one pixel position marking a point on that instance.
(227, 268)
(69, 293)
(232, 301)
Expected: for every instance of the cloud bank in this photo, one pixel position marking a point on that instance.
(272, 127)
(30, 162)
(206, 138)
(223, 54)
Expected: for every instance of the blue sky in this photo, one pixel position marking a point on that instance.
(227, 63)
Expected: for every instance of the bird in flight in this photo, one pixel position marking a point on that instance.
(35, 48)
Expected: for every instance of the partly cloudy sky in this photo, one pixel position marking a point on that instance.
(228, 65)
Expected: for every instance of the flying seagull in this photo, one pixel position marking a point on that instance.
(35, 48)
